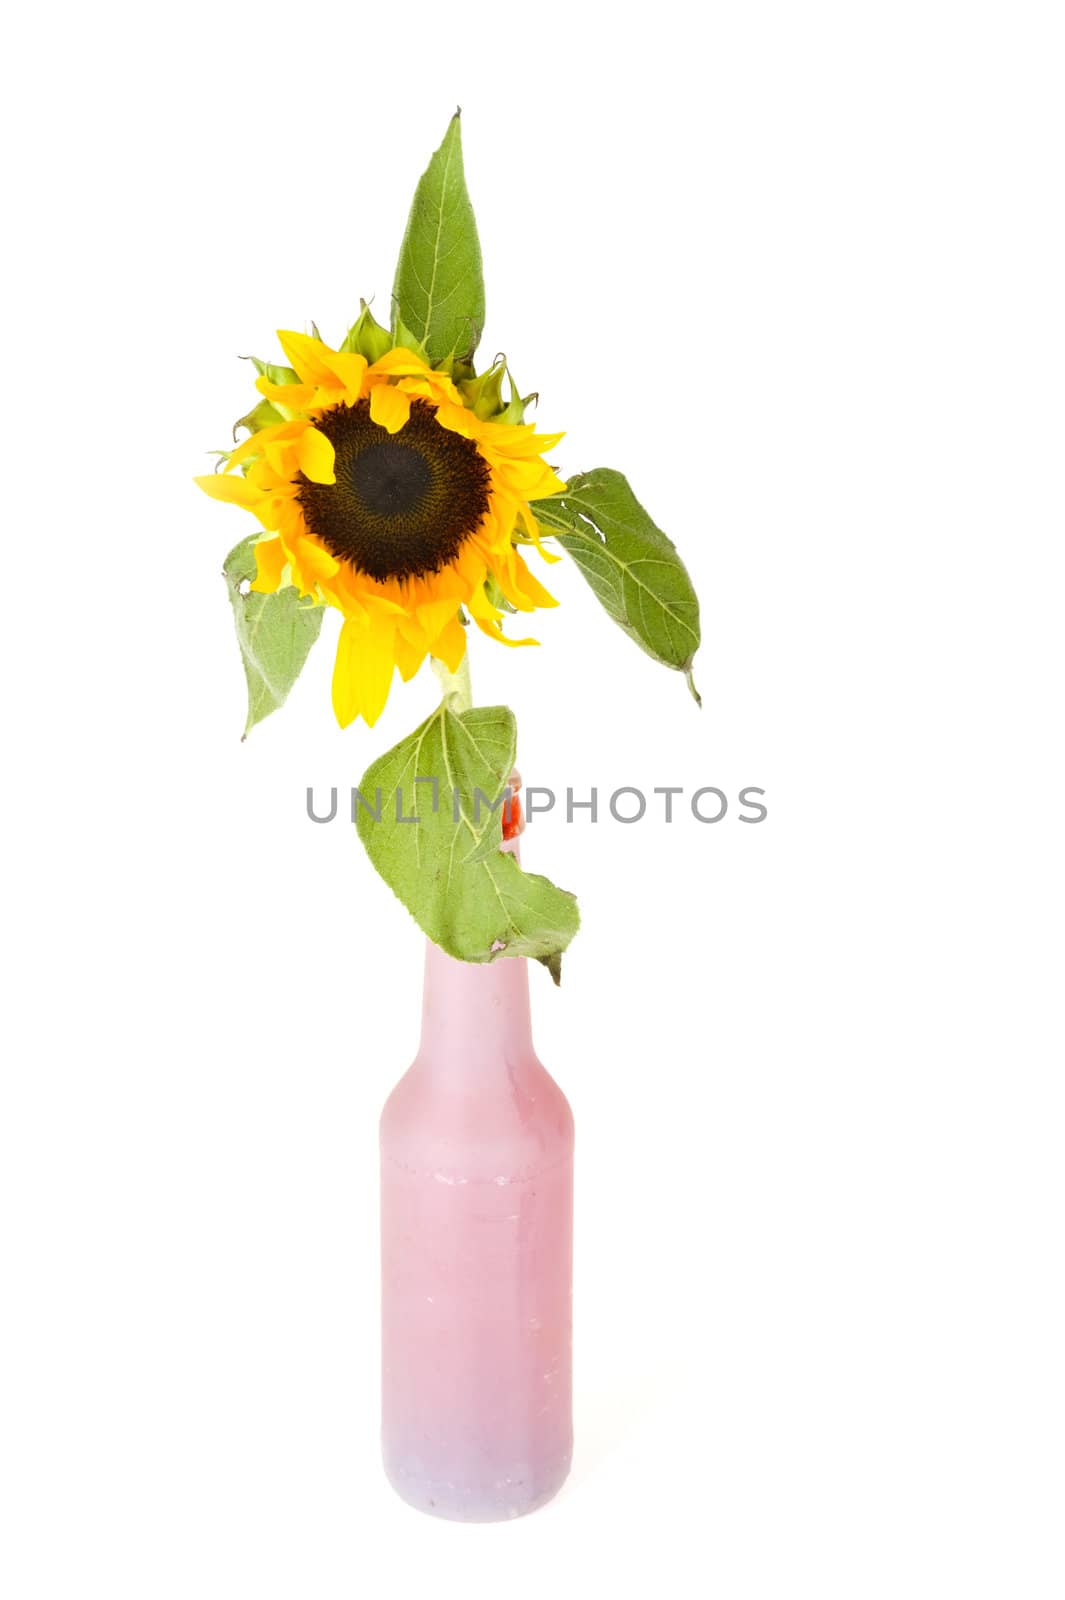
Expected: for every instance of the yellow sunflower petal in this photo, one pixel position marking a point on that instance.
(399, 360)
(379, 662)
(518, 439)
(310, 564)
(308, 358)
(237, 490)
(389, 407)
(457, 419)
(256, 443)
(519, 585)
(435, 615)
(526, 480)
(490, 620)
(547, 484)
(270, 564)
(341, 595)
(282, 457)
(450, 644)
(293, 396)
(347, 367)
(347, 678)
(532, 528)
(416, 386)
(494, 630)
(316, 456)
(316, 562)
(409, 656)
(362, 672)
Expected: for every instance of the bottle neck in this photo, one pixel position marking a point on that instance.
(474, 1015)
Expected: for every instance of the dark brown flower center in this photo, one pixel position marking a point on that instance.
(403, 503)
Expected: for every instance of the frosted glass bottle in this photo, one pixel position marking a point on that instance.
(476, 1234)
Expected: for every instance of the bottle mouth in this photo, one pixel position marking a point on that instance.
(513, 817)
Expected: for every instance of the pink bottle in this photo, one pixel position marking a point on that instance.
(477, 1254)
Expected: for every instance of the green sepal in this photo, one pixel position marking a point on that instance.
(402, 335)
(275, 633)
(631, 566)
(514, 411)
(459, 371)
(275, 374)
(366, 337)
(466, 894)
(496, 597)
(281, 376)
(264, 415)
(438, 292)
(484, 394)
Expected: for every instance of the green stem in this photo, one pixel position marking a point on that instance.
(455, 686)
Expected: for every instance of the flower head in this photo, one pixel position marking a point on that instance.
(384, 491)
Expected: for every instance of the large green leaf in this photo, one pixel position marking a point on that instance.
(631, 565)
(438, 292)
(447, 868)
(275, 633)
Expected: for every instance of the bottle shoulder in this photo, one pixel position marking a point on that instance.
(486, 1124)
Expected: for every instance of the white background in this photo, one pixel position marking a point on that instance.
(798, 271)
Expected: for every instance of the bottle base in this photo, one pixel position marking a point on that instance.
(457, 1501)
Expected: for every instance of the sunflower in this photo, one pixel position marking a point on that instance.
(383, 493)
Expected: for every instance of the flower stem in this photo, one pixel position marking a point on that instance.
(455, 686)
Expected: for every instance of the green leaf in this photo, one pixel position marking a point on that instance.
(438, 292)
(630, 564)
(463, 891)
(275, 633)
